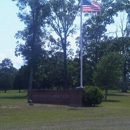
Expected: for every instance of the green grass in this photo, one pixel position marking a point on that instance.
(16, 114)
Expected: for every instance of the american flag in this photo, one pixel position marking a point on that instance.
(88, 6)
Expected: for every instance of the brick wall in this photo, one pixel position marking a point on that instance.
(62, 97)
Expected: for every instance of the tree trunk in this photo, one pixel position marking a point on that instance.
(124, 86)
(30, 79)
(5, 90)
(106, 91)
(19, 90)
(63, 40)
(65, 69)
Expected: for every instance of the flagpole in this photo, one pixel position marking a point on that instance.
(91, 7)
(81, 48)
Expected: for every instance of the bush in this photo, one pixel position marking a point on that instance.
(92, 95)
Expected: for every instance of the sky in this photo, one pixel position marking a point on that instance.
(10, 24)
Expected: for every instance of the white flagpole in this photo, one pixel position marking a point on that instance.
(81, 48)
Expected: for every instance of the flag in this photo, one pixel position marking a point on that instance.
(88, 6)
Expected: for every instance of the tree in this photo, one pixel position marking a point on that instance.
(96, 42)
(51, 74)
(124, 43)
(63, 14)
(6, 65)
(94, 29)
(7, 74)
(73, 72)
(21, 78)
(108, 71)
(6, 81)
(33, 14)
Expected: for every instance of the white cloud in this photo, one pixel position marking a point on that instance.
(17, 61)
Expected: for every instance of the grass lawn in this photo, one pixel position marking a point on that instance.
(16, 114)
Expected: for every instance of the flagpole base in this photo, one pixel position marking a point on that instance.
(80, 87)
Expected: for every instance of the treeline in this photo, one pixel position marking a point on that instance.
(107, 71)
(50, 62)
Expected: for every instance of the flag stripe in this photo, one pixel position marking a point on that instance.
(93, 7)
(89, 9)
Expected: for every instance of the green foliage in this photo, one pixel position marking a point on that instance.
(97, 43)
(63, 14)
(54, 67)
(6, 81)
(92, 95)
(7, 74)
(33, 33)
(21, 78)
(108, 70)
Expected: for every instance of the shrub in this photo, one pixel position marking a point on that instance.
(92, 95)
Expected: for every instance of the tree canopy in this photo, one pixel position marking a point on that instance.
(49, 64)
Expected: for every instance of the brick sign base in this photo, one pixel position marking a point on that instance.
(61, 97)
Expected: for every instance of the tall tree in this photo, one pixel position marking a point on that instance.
(94, 32)
(94, 29)
(33, 14)
(122, 44)
(123, 41)
(63, 14)
(108, 71)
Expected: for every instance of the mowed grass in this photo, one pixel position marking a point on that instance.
(17, 114)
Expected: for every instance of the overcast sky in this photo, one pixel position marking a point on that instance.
(9, 25)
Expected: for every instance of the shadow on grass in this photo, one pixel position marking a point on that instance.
(14, 97)
(74, 108)
(118, 94)
(81, 107)
(111, 101)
